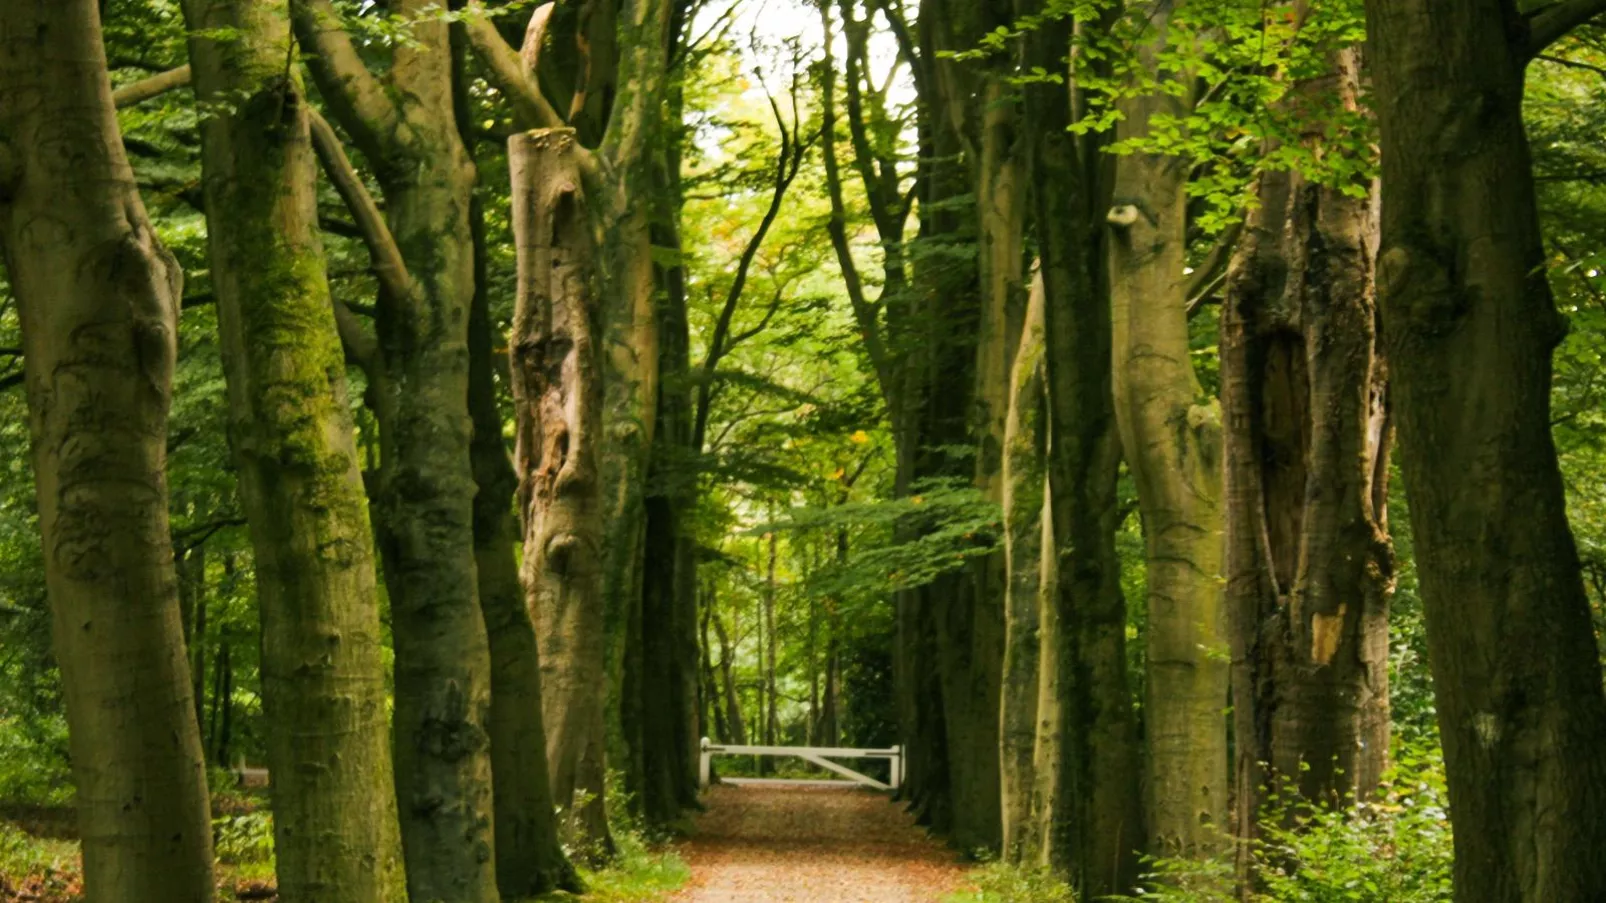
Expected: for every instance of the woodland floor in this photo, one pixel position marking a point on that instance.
(802, 843)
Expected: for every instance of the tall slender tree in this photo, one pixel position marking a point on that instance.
(323, 678)
(1087, 758)
(98, 296)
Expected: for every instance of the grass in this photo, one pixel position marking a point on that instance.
(997, 882)
(639, 874)
(46, 867)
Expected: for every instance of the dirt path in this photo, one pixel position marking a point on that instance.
(812, 844)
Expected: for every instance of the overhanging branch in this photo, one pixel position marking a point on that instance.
(154, 86)
(1550, 24)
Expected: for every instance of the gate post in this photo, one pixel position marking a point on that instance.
(897, 767)
(704, 766)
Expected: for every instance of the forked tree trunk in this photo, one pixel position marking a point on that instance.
(1171, 434)
(405, 124)
(1308, 562)
(1471, 326)
(98, 297)
(323, 678)
(557, 391)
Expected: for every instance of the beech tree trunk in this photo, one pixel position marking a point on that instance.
(1171, 434)
(1031, 582)
(1087, 760)
(336, 836)
(1309, 567)
(1471, 326)
(98, 297)
(405, 124)
(557, 389)
(529, 855)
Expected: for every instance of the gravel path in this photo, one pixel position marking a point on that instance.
(812, 844)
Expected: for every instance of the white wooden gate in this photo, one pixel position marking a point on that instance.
(818, 755)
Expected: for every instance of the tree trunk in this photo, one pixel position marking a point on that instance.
(557, 390)
(670, 731)
(727, 668)
(404, 122)
(529, 854)
(772, 721)
(1088, 759)
(1030, 582)
(1172, 436)
(223, 718)
(192, 569)
(1471, 326)
(98, 298)
(1308, 562)
(323, 680)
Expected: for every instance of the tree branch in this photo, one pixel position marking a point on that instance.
(396, 284)
(510, 70)
(513, 73)
(1550, 24)
(360, 347)
(147, 88)
(1213, 266)
(354, 94)
(866, 314)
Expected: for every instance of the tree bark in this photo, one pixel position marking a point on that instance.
(404, 123)
(1171, 434)
(557, 389)
(1088, 759)
(530, 860)
(1309, 567)
(98, 298)
(323, 679)
(1471, 326)
(1031, 581)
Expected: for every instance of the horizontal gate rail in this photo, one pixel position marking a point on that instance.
(817, 755)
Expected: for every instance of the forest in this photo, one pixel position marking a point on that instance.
(1176, 426)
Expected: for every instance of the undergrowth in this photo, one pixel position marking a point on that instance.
(997, 882)
(643, 868)
(1394, 849)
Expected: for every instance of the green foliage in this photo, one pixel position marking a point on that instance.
(1395, 849)
(642, 869)
(244, 839)
(999, 882)
(913, 540)
(49, 866)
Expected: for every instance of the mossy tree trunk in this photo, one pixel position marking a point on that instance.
(98, 297)
(1471, 325)
(323, 679)
(1031, 581)
(1171, 433)
(404, 123)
